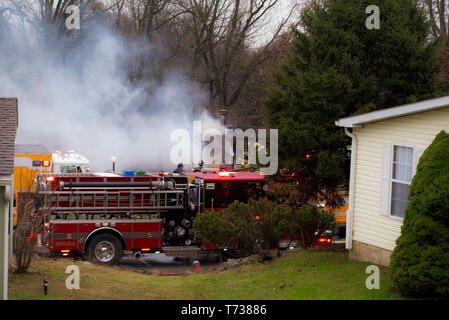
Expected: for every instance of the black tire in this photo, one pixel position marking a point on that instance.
(105, 249)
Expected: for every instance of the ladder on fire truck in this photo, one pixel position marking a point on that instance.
(99, 198)
(112, 201)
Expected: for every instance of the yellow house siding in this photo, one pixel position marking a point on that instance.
(370, 226)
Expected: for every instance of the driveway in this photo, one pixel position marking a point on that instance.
(161, 263)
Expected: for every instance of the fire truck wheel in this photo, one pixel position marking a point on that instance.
(105, 249)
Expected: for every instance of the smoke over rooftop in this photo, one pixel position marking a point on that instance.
(78, 96)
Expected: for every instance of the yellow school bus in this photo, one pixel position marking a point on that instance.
(28, 161)
(340, 213)
(31, 159)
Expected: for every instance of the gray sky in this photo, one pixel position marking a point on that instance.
(282, 10)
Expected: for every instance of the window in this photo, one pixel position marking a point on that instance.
(401, 177)
(226, 192)
(71, 169)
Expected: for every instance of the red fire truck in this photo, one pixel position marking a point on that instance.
(103, 217)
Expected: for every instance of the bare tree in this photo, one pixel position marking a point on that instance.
(45, 13)
(437, 11)
(30, 221)
(49, 16)
(249, 105)
(144, 19)
(438, 15)
(220, 36)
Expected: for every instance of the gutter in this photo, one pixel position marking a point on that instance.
(350, 212)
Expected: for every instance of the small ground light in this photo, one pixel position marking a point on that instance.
(45, 286)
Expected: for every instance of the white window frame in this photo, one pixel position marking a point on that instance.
(395, 144)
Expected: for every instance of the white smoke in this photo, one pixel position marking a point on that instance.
(85, 102)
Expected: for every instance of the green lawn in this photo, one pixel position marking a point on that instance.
(301, 275)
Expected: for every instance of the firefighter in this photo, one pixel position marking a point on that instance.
(198, 167)
(179, 168)
(244, 164)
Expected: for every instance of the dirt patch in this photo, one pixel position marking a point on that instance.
(234, 263)
(335, 247)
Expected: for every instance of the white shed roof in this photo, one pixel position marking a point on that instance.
(426, 105)
(71, 157)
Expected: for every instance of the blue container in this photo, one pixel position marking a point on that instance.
(128, 173)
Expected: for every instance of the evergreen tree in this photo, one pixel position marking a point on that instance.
(338, 68)
(420, 260)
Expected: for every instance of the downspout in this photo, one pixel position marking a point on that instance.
(350, 212)
(5, 244)
(11, 222)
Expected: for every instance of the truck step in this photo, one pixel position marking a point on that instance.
(181, 251)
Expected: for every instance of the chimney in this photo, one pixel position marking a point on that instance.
(223, 116)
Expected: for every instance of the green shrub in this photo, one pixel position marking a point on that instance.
(420, 260)
(211, 227)
(309, 223)
(257, 227)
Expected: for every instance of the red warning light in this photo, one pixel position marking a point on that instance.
(46, 163)
(224, 174)
(50, 179)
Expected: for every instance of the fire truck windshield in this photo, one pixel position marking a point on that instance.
(227, 192)
(71, 169)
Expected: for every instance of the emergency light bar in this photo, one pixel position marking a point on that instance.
(227, 174)
(41, 163)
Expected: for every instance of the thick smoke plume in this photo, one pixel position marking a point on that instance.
(81, 98)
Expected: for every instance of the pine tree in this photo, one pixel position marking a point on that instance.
(420, 260)
(338, 68)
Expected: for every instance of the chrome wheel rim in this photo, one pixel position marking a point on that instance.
(105, 251)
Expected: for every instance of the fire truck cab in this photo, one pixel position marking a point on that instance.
(222, 187)
(70, 162)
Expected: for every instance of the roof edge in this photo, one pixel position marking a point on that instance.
(393, 112)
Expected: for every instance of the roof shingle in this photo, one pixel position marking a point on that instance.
(8, 129)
